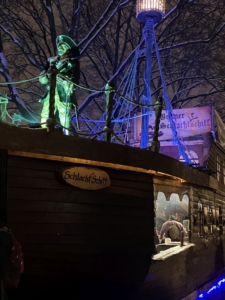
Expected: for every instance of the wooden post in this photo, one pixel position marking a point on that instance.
(200, 218)
(182, 239)
(109, 106)
(3, 177)
(155, 145)
(51, 116)
(3, 106)
(3, 199)
(221, 219)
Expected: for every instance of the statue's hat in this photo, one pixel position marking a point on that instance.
(64, 39)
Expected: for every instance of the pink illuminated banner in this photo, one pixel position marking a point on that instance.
(188, 121)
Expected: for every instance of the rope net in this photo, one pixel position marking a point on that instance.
(126, 103)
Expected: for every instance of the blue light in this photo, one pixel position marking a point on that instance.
(213, 288)
(221, 281)
(210, 294)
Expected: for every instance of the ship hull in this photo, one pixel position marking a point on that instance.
(80, 243)
(75, 239)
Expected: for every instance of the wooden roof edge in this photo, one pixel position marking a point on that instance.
(39, 141)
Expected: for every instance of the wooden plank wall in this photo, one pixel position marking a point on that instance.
(69, 235)
(211, 164)
(217, 151)
(181, 274)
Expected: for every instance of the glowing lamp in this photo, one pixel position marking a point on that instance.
(154, 9)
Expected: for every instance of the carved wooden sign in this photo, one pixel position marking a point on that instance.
(86, 178)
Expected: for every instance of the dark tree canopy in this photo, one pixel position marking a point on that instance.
(190, 40)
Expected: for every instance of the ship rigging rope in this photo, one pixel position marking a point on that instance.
(18, 82)
(122, 101)
(116, 120)
(130, 75)
(53, 121)
(79, 86)
(110, 90)
(169, 109)
(123, 106)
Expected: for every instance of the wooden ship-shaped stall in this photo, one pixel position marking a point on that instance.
(199, 207)
(89, 214)
(86, 213)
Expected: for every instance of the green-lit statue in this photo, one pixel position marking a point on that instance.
(68, 68)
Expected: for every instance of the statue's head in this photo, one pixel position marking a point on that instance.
(65, 43)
